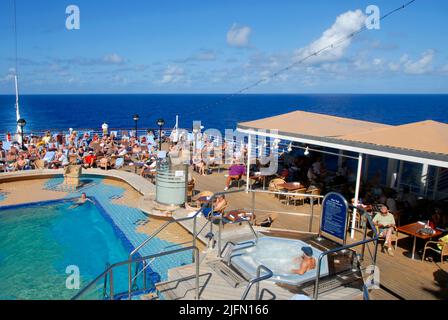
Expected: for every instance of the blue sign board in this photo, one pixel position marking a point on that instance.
(334, 215)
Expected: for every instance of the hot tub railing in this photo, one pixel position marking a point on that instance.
(361, 243)
(257, 281)
(251, 242)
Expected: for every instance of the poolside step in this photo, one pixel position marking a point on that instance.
(227, 273)
(332, 283)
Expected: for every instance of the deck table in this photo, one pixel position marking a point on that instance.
(411, 230)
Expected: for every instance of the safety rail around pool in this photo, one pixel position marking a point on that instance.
(214, 218)
(362, 243)
(109, 272)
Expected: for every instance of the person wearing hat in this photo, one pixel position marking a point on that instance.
(308, 261)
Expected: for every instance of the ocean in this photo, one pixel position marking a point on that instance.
(214, 110)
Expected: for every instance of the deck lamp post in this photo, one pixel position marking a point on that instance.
(136, 117)
(160, 123)
(21, 123)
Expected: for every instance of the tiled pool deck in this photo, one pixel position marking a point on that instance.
(127, 219)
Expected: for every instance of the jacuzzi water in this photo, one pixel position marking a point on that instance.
(39, 241)
(280, 256)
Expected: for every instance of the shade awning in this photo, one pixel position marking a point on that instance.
(312, 124)
(425, 136)
(423, 142)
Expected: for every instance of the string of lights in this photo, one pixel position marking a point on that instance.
(329, 47)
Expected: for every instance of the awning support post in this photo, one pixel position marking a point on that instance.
(358, 185)
(249, 151)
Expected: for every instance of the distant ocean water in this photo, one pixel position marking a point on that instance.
(90, 111)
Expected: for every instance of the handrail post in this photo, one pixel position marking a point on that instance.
(253, 203)
(111, 284)
(194, 235)
(219, 235)
(316, 284)
(257, 285)
(210, 216)
(129, 278)
(196, 250)
(312, 215)
(144, 275)
(364, 245)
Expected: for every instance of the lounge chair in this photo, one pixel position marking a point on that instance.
(7, 145)
(49, 156)
(296, 196)
(119, 162)
(273, 186)
(440, 247)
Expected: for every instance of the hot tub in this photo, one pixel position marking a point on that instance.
(277, 254)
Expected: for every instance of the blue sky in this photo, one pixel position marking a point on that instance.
(212, 46)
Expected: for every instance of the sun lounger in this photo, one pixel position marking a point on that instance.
(7, 145)
(49, 156)
(119, 162)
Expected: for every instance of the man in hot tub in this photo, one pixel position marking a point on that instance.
(307, 261)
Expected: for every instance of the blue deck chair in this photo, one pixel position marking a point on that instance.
(49, 156)
(7, 145)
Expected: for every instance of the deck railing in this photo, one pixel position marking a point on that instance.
(361, 243)
(133, 259)
(109, 273)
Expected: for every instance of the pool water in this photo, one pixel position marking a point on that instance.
(39, 241)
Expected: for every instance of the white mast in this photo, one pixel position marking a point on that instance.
(19, 129)
(16, 81)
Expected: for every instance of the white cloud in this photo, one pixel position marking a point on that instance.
(345, 24)
(173, 74)
(444, 69)
(238, 36)
(421, 66)
(9, 76)
(409, 66)
(113, 59)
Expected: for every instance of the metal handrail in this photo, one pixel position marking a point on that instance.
(109, 270)
(268, 291)
(365, 293)
(257, 281)
(308, 195)
(345, 247)
(250, 243)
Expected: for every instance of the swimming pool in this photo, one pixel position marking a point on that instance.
(39, 241)
(277, 254)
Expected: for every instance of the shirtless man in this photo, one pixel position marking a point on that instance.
(81, 201)
(308, 261)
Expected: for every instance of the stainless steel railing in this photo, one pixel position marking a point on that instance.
(257, 281)
(109, 271)
(195, 234)
(361, 243)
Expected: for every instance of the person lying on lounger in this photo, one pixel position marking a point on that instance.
(219, 206)
(306, 260)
